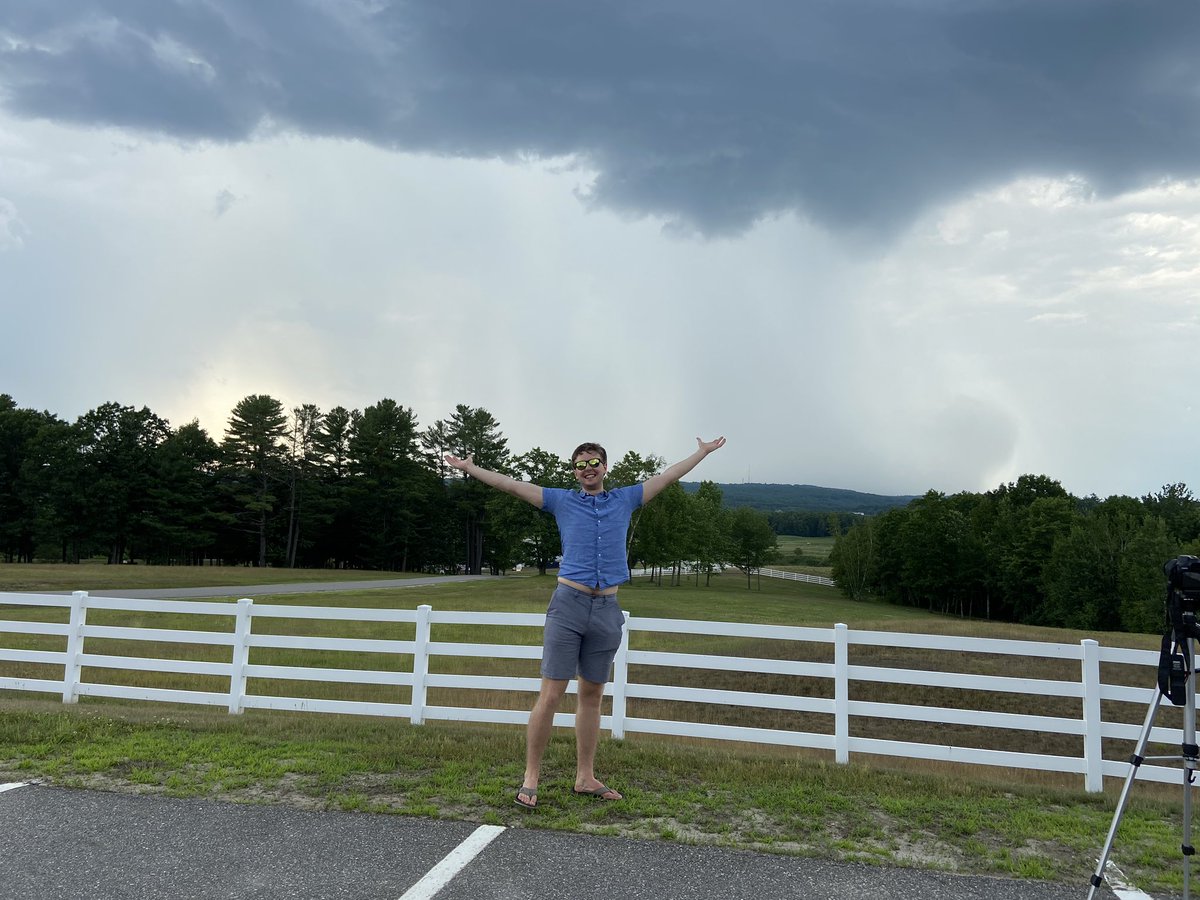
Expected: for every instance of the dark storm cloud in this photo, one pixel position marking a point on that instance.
(711, 113)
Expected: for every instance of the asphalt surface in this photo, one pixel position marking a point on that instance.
(64, 843)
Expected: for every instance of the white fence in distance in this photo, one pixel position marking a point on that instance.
(242, 641)
(796, 576)
(689, 568)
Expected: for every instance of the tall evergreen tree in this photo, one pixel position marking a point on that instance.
(305, 422)
(472, 432)
(332, 505)
(255, 457)
(185, 513)
(391, 487)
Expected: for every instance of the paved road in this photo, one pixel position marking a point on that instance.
(262, 590)
(62, 843)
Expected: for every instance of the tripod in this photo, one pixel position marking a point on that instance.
(1177, 683)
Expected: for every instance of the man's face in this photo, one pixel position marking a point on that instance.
(589, 471)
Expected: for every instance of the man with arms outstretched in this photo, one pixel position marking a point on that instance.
(584, 621)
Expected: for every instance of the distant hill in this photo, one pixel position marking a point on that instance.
(802, 497)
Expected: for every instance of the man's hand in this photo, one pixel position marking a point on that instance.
(654, 485)
(461, 464)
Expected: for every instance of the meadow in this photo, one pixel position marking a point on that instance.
(789, 546)
(969, 819)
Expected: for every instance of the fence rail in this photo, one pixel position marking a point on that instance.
(796, 576)
(408, 666)
(691, 568)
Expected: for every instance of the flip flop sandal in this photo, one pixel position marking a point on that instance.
(526, 798)
(597, 792)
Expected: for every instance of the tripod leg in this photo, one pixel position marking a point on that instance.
(1186, 846)
(1135, 762)
(1190, 753)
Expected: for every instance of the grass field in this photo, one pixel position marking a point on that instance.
(98, 576)
(969, 819)
(790, 545)
(807, 555)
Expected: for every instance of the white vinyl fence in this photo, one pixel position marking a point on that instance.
(412, 670)
(765, 573)
(796, 576)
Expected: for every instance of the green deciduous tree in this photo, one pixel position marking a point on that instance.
(1178, 509)
(19, 507)
(531, 534)
(51, 484)
(709, 533)
(937, 564)
(1106, 572)
(629, 470)
(853, 559)
(117, 445)
(752, 542)
(661, 536)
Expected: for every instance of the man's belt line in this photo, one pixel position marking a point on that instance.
(595, 592)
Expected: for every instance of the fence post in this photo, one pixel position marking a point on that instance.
(420, 665)
(71, 668)
(620, 681)
(841, 693)
(241, 655)
(1093, 756)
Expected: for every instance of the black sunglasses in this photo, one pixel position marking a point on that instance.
(582, 464)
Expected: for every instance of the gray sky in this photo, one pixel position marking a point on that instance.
(880, 246)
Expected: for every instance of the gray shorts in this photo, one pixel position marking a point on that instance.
(582, 635)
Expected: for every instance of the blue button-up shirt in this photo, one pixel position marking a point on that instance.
(593, 528)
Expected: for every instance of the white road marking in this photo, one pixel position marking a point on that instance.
(12, 786)
(439, 876)
(1120, 886)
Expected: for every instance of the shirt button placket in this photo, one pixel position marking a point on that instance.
(597, 510)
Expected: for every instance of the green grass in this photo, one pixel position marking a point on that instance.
(967, 819)
(727, 796)
(789, 546)
(808, 555)
(91, 576)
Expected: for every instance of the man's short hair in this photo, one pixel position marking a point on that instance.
(590, 448)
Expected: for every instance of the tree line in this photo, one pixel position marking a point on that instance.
(353, 489)
(1027, 552)
(807, 523)
(809, 499)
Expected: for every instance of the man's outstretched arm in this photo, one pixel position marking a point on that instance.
(654, 485)
(523, 490)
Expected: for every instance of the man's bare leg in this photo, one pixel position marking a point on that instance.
(587, 736)
(541, 723)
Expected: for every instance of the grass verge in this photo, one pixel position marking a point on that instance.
(744, 797)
